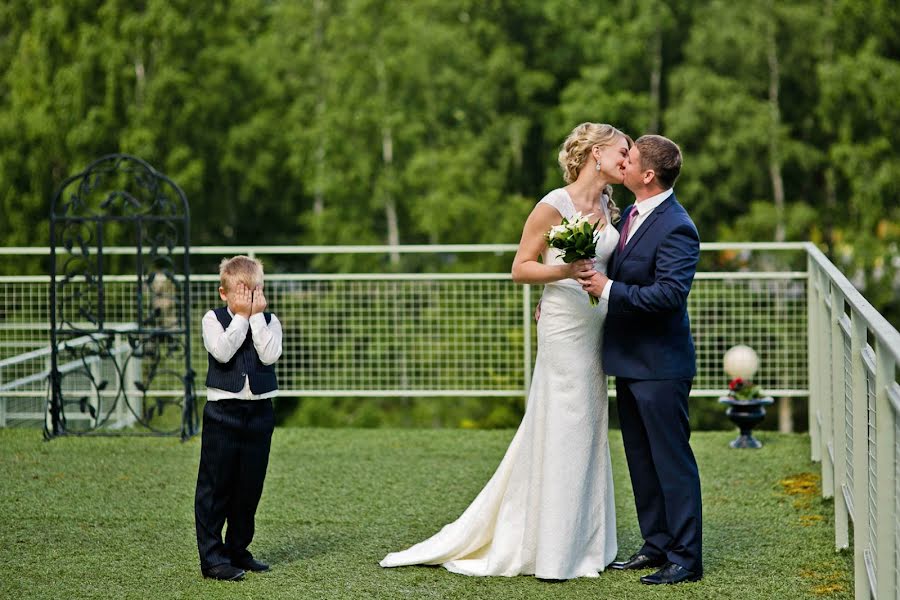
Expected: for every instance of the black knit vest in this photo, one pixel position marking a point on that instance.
(229, 376)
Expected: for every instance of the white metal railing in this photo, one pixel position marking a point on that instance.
(124, 412)
(420, 335)
(854, 425)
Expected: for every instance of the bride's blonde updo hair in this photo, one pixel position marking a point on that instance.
(576, 150)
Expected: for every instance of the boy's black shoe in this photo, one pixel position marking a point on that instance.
(250, 564)
(224, 572)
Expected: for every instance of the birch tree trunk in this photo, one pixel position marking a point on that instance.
(387, 158)
(785, 409)
(774, 130)
(655, 79)
(390, 205)
(321, 105)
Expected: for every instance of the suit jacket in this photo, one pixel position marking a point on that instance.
(647, 333)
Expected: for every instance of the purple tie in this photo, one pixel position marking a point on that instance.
(625, 228)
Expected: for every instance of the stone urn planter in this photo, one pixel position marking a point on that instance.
(746, 414)
(746, 405)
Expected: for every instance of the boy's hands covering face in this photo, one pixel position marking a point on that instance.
(241, 300)
(259, 301)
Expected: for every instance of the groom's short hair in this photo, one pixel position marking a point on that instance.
(663, 156)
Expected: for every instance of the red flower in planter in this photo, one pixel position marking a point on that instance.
(743, 390)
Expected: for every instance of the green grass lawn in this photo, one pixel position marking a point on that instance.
(113, 518)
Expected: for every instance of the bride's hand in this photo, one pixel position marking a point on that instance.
(581, 269)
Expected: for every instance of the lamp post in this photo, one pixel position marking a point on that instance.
(746, 407)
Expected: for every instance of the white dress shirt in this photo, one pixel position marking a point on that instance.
(643, 208)
(223, 343)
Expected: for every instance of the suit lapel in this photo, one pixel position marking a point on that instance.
(643, 229)
(636, 238)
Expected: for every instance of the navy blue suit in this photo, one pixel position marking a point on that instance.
(647, 346)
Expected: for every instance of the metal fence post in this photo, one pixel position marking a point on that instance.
(860, 458)
(824, 390)
(839, 440)
(48, 401)
(886, 476)
(815, 307)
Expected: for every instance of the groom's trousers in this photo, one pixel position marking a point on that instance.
(234, 455)
(653, 416)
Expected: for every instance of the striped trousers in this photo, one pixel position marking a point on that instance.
(234, 455)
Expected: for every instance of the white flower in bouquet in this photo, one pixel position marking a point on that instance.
(556, 231)
(576, 239)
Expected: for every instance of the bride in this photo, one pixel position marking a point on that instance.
(549, 509)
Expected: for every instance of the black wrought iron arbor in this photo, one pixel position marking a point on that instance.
(117, 325)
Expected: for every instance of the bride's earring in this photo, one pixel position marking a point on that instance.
(597, 168)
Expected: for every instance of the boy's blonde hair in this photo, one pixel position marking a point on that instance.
(240, 269)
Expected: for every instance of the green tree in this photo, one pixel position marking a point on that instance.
(732, 112)
(859, 117)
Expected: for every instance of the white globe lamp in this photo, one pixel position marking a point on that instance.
(741, 361)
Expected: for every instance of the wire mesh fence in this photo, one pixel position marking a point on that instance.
(416, 334)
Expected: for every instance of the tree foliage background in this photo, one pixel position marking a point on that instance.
(438, 122)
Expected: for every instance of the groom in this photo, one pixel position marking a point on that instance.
(647, 345)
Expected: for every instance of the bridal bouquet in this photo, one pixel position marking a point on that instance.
(576, 239)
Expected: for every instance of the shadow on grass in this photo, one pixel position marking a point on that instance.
(287, 551)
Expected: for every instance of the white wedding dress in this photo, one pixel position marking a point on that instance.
(549, 509)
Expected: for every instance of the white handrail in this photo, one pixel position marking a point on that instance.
(372, 249)
(878, 325)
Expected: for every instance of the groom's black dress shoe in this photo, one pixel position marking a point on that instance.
(671, 573)
(224, 572)
(638, 561)
(250, 564)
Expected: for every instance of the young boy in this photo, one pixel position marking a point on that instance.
(243, 343)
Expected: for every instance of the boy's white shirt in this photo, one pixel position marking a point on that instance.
(222, 344)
